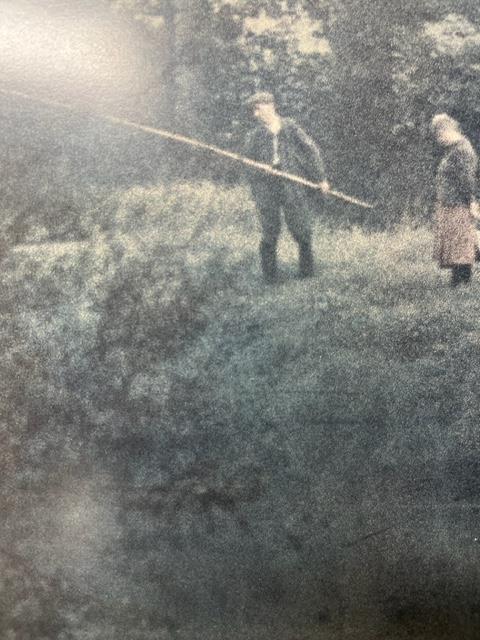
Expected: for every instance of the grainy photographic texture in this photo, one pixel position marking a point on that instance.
(239, 401)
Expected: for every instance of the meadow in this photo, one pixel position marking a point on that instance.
(188, 453)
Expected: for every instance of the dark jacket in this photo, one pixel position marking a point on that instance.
(298, 154)
(457, 175)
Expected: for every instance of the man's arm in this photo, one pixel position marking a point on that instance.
(248, 151)
(248, 146)
(314, 158)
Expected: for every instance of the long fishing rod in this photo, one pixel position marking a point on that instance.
(193, 142)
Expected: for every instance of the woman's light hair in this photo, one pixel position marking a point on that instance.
(444, 121)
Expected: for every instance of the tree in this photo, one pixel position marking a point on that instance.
(394, 69)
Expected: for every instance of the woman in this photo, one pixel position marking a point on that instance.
(455, 235)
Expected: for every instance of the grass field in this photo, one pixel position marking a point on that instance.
(231, 460)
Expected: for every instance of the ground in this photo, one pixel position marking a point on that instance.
(199, 455)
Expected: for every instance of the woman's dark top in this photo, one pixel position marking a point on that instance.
(457, 175)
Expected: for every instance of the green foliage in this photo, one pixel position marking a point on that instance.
(363, 78)
(244, 445)
(30, 607)
(220, 52)
(261, 430)
(396, 68)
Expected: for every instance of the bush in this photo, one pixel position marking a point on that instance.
(265, 430)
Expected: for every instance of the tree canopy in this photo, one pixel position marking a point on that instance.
(363, 78)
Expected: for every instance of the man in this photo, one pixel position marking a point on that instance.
(282, 144)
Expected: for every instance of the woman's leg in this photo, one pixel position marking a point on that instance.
(456, 277)
(461, 274)
(465, 273)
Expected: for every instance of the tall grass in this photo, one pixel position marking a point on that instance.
(288, 454)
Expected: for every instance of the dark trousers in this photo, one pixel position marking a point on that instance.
(271, 221)
(461, 274)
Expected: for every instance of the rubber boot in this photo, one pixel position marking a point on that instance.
(268, 259)
(465, 273)
(455, 280)
(305, 259)
(461, 274)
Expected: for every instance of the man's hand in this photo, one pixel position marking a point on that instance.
(324, 186)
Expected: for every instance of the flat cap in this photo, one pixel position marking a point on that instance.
(260, 97)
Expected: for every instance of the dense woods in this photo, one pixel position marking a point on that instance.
(363, 78)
